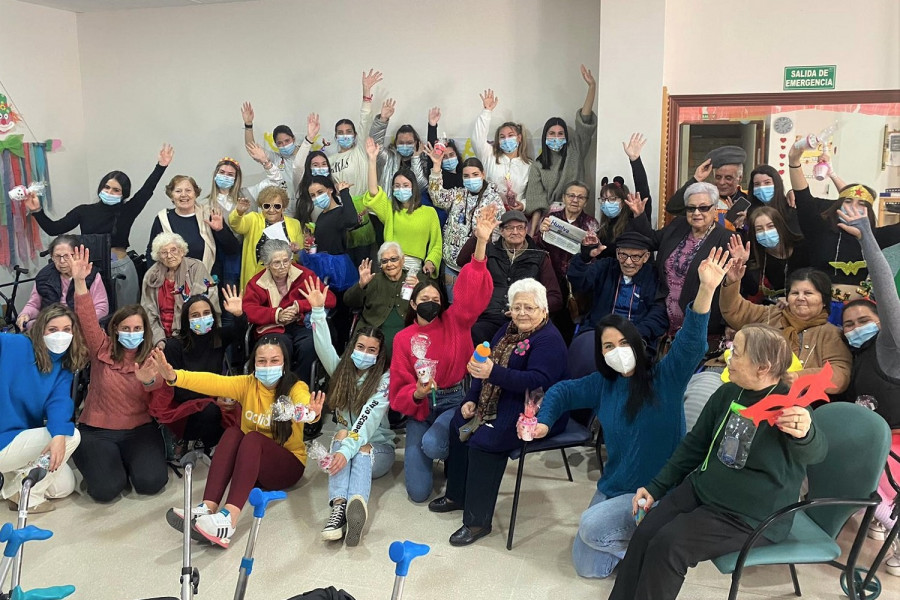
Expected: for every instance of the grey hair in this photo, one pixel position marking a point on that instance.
(390, 246)
(702, 187)
(578, 183)
(67, 239)
(164, 239)
(529, 286)
(271, 247)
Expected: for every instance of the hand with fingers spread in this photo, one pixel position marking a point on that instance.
(163, 367)
(340, 186)
(737, 249)
(636, 204)
(257, 153)
(166, 155)
(489, 100)
(314, 292)
(430, 152)
(247, 113)
(216, 222)
(713, 268)
(312, 126)
(434, 116)
(32, 202)
(634, 146)
(588, 76)
(242, 205)
(372, 149)
(146, 373)
(486, 222)
(703, 171)
(590, 240)
(736, 270)
(317, 402)
(853, 219)
(365, 273)
(80, 265)
(234, 304)
(369, 80)
(387, 109)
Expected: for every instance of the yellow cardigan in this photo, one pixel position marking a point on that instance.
(419, 233)
(251, 226)
(256, 402)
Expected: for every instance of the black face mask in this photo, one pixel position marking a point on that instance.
(428, 310)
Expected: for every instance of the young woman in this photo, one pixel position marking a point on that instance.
(363, 445)
(317, 165)
(451, 169)
(263, 451)
(506, 160)
(767, 186)
(404, 151)
(36, 404)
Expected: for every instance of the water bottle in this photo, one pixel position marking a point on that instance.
(482, 352)
(407, 289)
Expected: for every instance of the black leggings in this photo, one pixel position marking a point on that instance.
(108, 458)
(205, 426)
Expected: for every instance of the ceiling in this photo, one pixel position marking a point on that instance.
(81, 6)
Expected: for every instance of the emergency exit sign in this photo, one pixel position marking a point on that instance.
(810, 78)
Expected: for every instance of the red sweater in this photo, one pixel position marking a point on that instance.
(451, 341)
(263, 302)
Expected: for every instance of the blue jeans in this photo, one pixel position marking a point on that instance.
(603, 534)
(427, 441)
(356, 477)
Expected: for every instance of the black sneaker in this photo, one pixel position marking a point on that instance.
(336, 525)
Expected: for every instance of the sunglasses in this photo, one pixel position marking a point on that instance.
(704, 209)
(268, 206)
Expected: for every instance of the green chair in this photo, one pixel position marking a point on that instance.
(858, 444)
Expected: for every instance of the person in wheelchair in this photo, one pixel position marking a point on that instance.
(53, 283)
(36, 404)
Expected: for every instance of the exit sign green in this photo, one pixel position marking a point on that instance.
(810, 78)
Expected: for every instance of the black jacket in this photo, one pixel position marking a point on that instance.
(48, 283)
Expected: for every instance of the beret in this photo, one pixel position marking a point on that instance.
(727, 155)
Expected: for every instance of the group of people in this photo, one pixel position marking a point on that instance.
(386, 263)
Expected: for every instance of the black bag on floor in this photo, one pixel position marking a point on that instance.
(324, 594)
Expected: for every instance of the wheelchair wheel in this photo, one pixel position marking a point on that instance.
(871, 591)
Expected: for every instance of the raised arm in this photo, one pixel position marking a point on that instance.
(369, 80)
(587, 109)
(482, 124)
(247, 115)
(638, 173)
(84, 304)
(372, 150)
(798, 180)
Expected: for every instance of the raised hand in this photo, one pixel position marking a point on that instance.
(317, 402)
(852, 218)
(80, 263)
(242, 205)
(165, 155)
(795, 153)
(372, 149)
(428, 149)
(365, 273)
(486, 222)
(703, 171)
(591, 239)
(488, 99)
(256, 152)
(146, 372)
(387, 109)
(736, 270)
(314, 293)
(32, 202)
(713, 268)
(162, 365)
(340, 186)
(636, 204)
(369, 80)
(234, 304)
(588, 76)
(634, 146)
(737, 249)
(312, 126)
(247, 113)
(216, 222)
(434, 116)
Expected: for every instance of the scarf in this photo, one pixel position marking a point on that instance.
(796, 326)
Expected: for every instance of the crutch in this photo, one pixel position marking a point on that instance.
(403, 554)
(14, 539)
(259, 500)
(32, 478)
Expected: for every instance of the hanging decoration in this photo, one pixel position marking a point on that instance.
(8, 117)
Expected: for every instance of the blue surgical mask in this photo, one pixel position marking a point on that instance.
(109, 198)
(345, 141)
(509, 144)
(287, 150)
(556, 144)
(405, 149)
(322, 201)
(131, 339)
(611, 209)
(225, 182)
(403, 194)
(269, 376)
(473, 184)
(450, 164)
(862, 334)
(320, 171)
(363, 360)
(764, 192)
(202, 325)
(768, 238)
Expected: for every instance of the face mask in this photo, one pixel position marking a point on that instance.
(405, 149)
(131, 339)
(428, 310)
(556, 144)
(322, 201)
(225, 182)
(768, 238)
(319, 171)
(345, 141)
(202, 325)
(764, 192)
(509, 144)
(58, 341)
(287, 150)
(611, 209)
(474, 184)
(450, 164)
(403, 194)
(109, 198)
(363, 360)
(620, 359)
(269, 376)
(857, 337)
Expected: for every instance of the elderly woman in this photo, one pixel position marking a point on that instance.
(527, 354)
(708, 502)
(640, 407)
(258, 227)
(804, 322)
(681, 246)
(380, 295)
(274, 303)
(53, 283)
(172, 280)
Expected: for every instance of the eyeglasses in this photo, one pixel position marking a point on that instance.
(524, 310)
(578, 197)
(268, 206)
(168, 253)
(704, 209)
(609, 198)
(514, 228)
(61, 257)
(625, 257)
(280, 264)
(390, 261)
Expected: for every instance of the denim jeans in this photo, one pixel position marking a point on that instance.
(356, 477)
(603, 534)
(427, 441)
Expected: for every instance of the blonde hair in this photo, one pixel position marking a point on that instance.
(270, 194)
(77, 356)
(235, 190)
(523, 145)
(766, 346)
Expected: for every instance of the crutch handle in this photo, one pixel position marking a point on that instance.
(14, 538)
(50, 593)
(403, 553)
(260, 500)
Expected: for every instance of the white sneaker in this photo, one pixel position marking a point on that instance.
(175, 518)
(876, 531)
(215, 527)
(336, 524)
(892, 564)
(357, 513)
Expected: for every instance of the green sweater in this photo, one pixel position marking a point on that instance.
(418, 232)
(769, 481)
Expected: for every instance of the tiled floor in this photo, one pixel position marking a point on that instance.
(126, 551)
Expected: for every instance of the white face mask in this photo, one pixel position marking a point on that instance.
(58, 341)
(620, 359)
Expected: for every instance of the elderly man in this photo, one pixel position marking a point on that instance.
(623, 285)
(511, 258)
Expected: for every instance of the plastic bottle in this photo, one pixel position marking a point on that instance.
(482, 352)
(407, 289)
(642, 511)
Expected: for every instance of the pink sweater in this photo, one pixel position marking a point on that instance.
(98, 295)
(451, 341)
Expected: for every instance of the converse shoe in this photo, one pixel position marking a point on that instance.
(357, 512)
(892, 564)
(336, 524)
(175, 518)
(215, 527)
(876, 531)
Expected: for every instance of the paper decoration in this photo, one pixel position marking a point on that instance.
(8, 117)
(21, 163)
(806, 390)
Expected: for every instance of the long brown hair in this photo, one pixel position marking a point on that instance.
(117, 350)
(281, 430)
(76, 357)
(345, 391)
(788, 239)
(610, 229)
(830, 213)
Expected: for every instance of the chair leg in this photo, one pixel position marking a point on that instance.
(795, 580)
(515, 507)
(735, 582)
(566, 462)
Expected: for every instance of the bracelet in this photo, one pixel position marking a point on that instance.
(795, 166)
(172, 381)
(149, 383)
(308, 141)
(367, 98)
(250, 126)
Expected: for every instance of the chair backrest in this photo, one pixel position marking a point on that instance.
(858, 444)
(99, 246)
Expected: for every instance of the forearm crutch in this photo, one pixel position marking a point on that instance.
(259, 500)
(403, 554)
